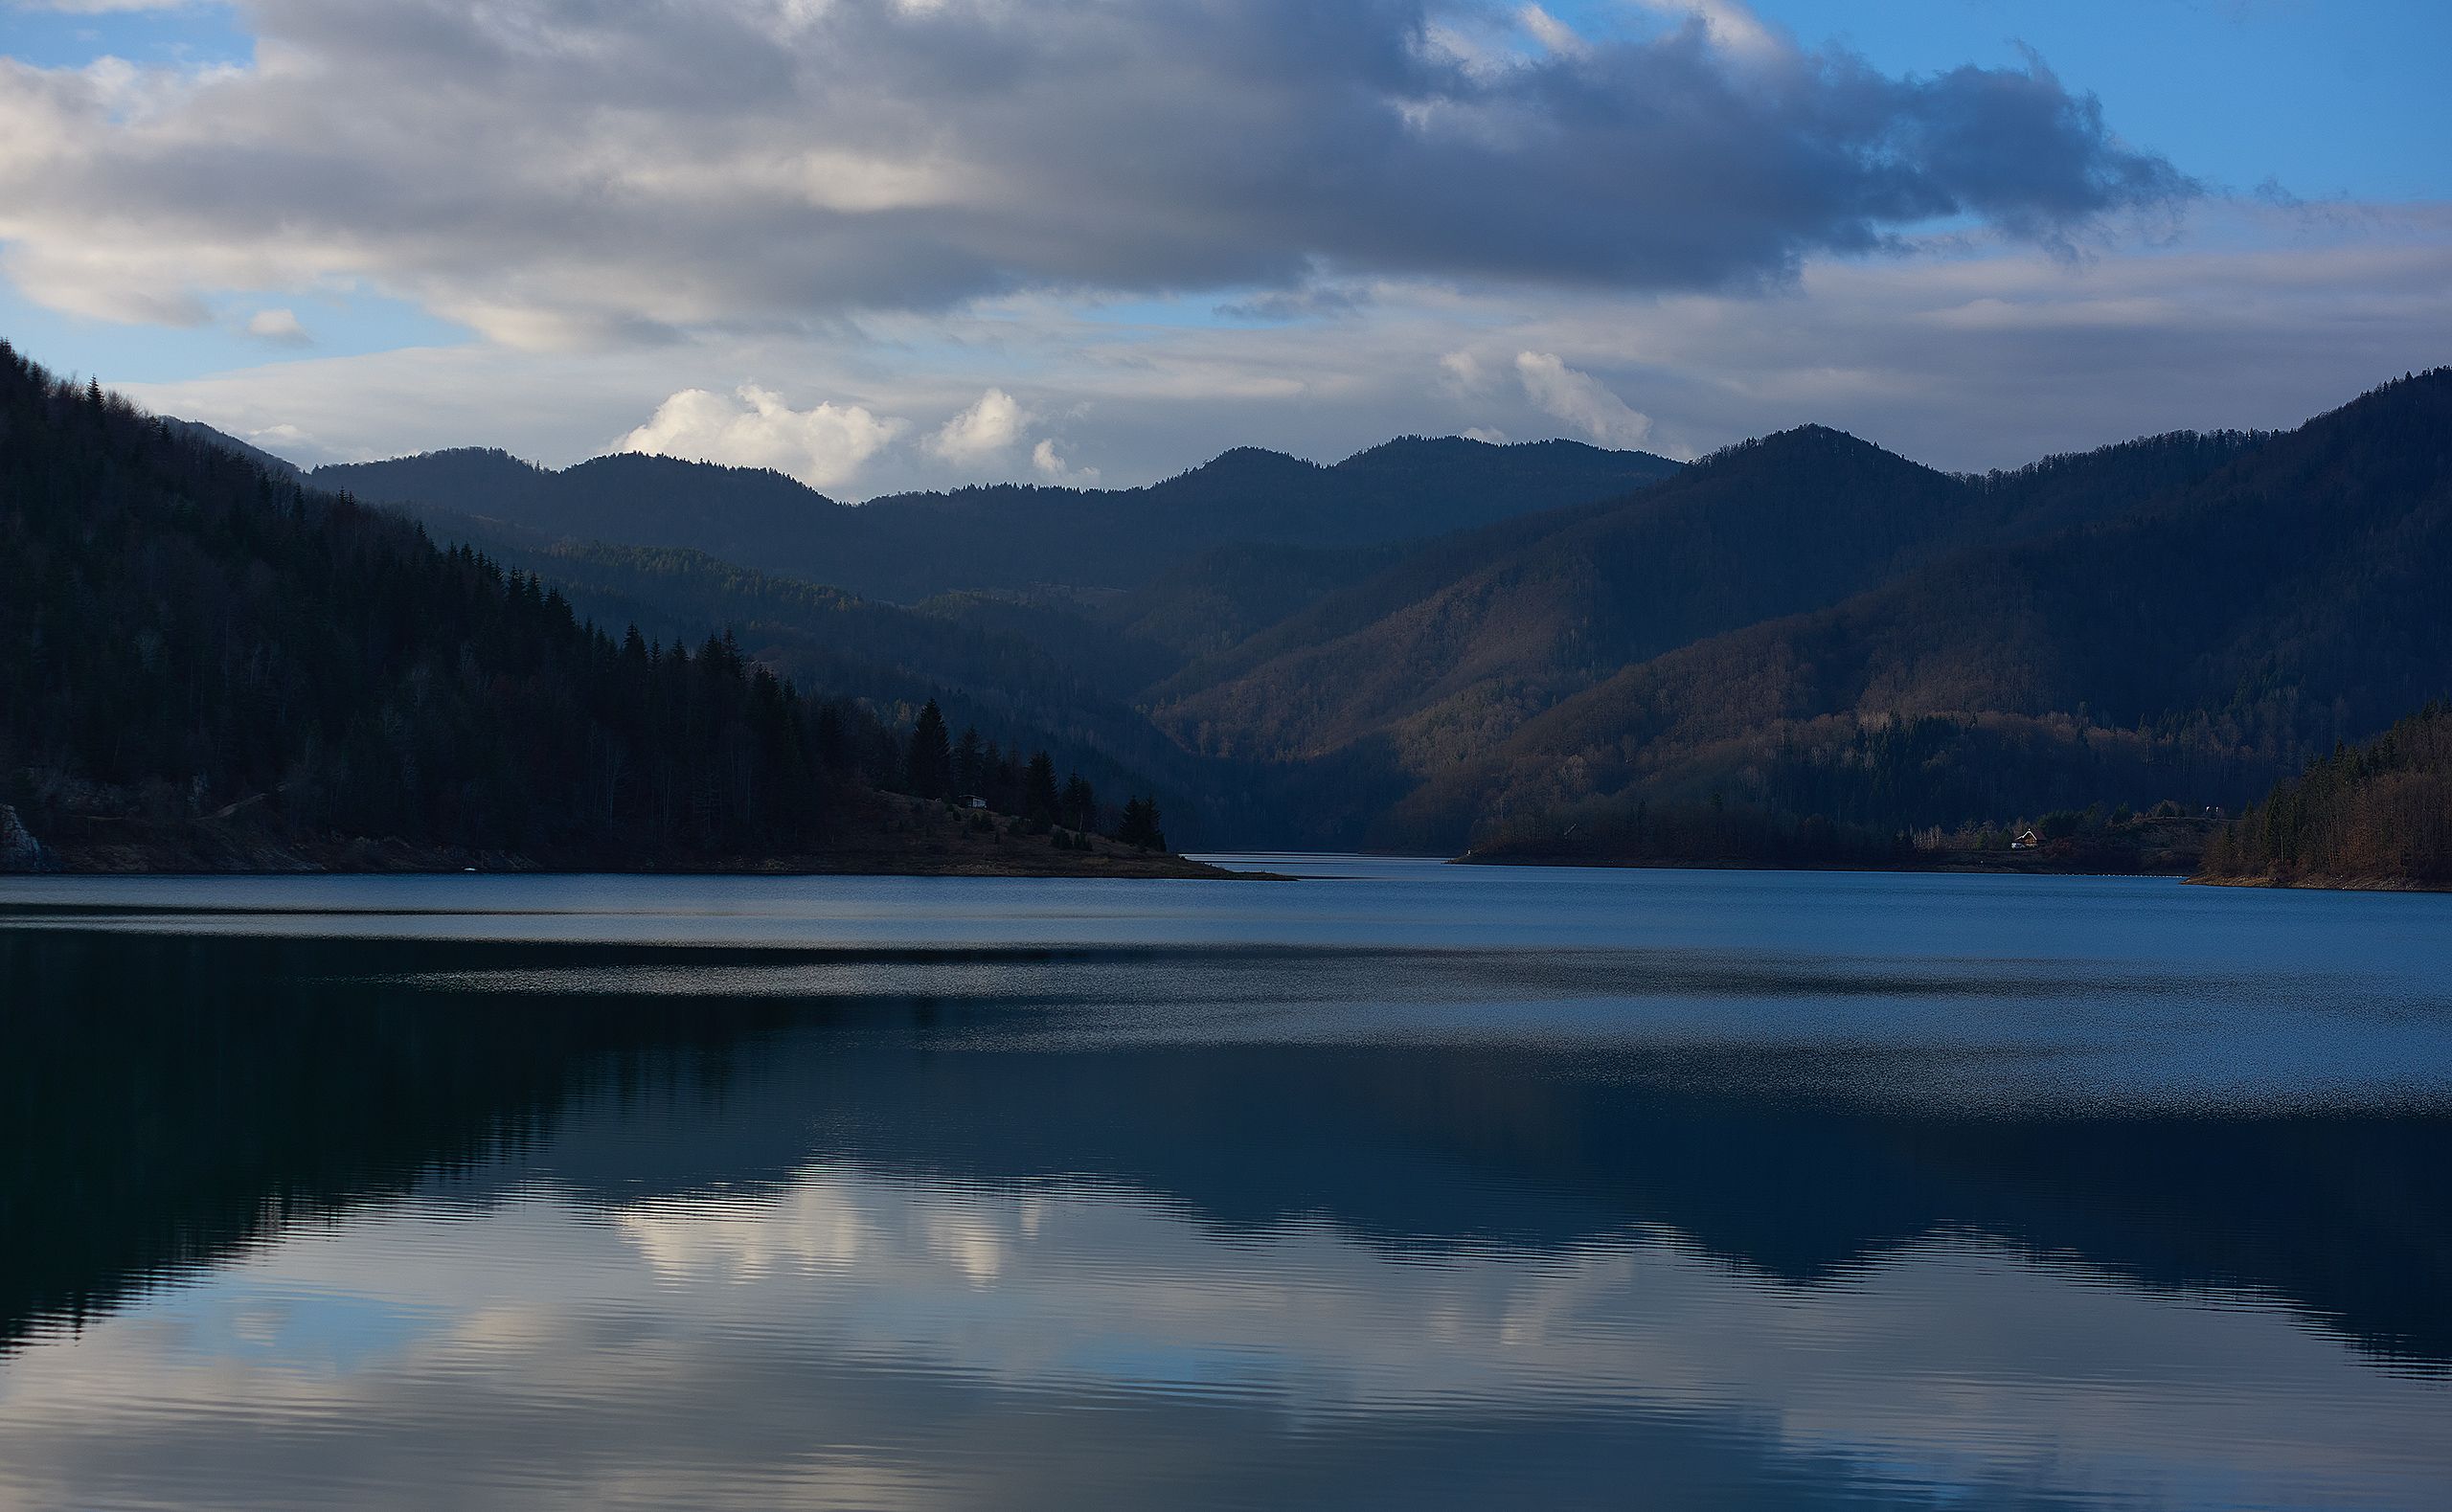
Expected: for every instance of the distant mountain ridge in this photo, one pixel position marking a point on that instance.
(1803, 625)
(198, 431)
(909, 547)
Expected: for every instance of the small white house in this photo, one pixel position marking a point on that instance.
(2026, 840)
(970, 800)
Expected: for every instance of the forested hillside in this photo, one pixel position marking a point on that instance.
(185, 633)
(2197, 647)
(1026, 676)
(909, 547)
(2376, 815)
(202, 664)
(1793, 522)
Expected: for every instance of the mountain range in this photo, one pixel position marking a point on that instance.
(1438, 642)
(908, 547)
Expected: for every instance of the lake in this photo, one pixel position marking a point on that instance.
(1404, 1186)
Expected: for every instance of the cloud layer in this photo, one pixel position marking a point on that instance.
(556, 172)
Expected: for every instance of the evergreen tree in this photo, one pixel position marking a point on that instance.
(1040, 801)
(832, 746)
(1079, 808)
(970, 762)
(1140, 828)
(929, 764)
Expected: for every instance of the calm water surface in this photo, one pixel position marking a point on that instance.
(1405, 1185)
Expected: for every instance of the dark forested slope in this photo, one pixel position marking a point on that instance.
(1026, 676)
(1446, 654)
(2198, 646)
(202, 664)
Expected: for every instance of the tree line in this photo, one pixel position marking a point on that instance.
(185, 637)
(938, 767)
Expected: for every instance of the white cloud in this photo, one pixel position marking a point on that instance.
(1460, 374)
(278, 325)
(982, 432)
(1730, 25)
(755, 428)
(1580, 399)
(1049, 465)
(1551, 32)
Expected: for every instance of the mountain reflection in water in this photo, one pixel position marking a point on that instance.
(1498, 1190)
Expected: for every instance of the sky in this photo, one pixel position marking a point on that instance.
(884, 244)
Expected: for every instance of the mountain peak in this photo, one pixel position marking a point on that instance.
(1807, 447)
(1409, 447)
(668, 470)
(1240, 463)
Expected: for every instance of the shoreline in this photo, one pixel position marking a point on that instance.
(2307, 883)
(1159, 866)
(2145, 845)
(2323, 883)
(1953, 869)
(885, 835)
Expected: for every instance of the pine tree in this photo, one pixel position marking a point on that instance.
(1081, 805)
(1140, 827)
(930, 760)
(970, 762)
(1040, 801)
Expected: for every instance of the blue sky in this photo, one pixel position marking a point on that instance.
(2340, 98)
(886, 243)
(201, 34)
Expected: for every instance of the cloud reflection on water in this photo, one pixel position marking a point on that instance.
(1062, 1314)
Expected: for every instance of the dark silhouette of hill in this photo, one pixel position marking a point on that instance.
(909, 547)
(2379, 815)
(198, 431)
(1024, 675)
(192, 636)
